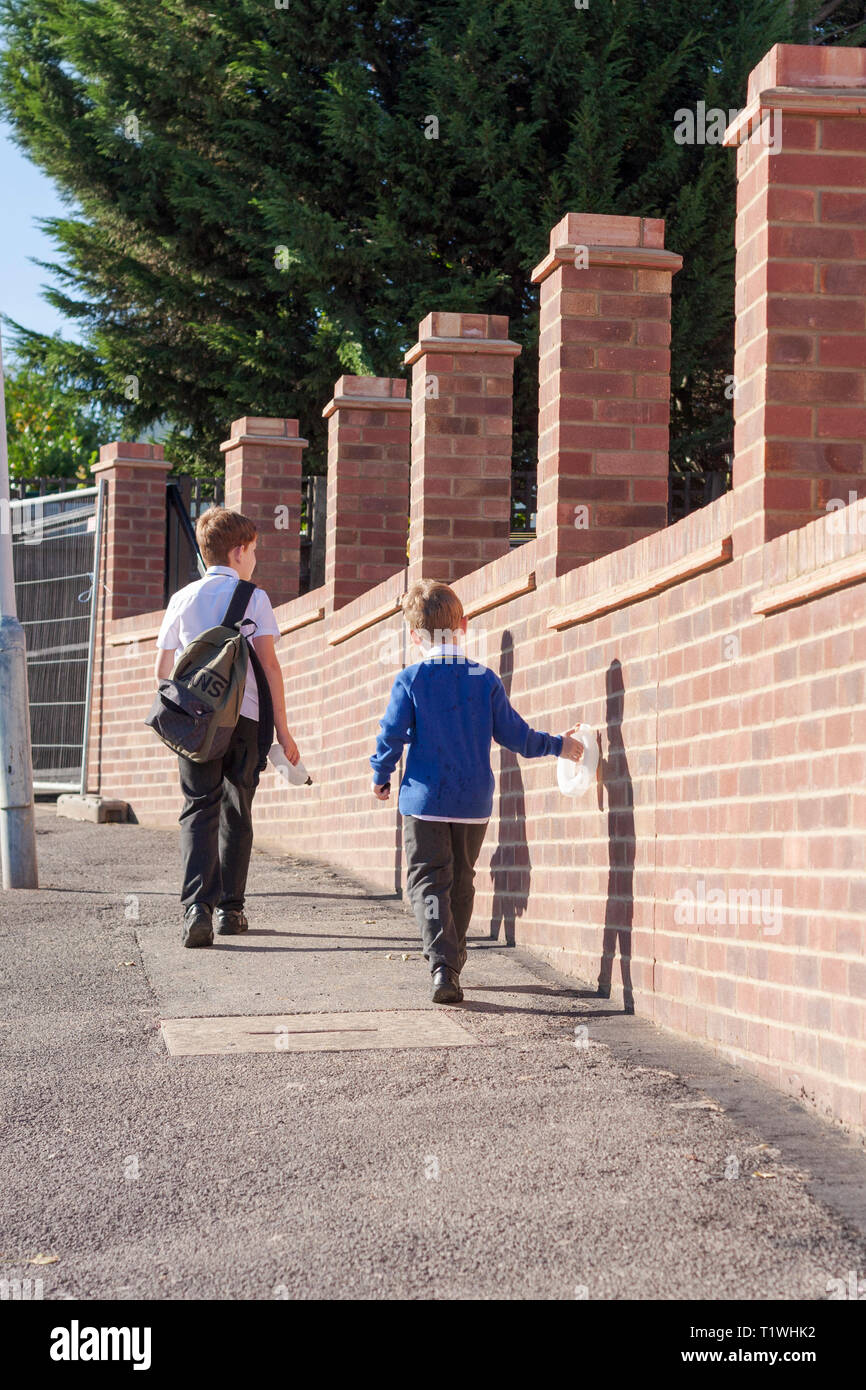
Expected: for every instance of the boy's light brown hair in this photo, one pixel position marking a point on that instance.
(432, 608)
(218, 531)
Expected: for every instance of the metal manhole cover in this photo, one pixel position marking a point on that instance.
(206, 1037)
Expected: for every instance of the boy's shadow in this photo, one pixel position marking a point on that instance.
(619, 909)
(510, 866)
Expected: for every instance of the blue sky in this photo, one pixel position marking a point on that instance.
(27, 194)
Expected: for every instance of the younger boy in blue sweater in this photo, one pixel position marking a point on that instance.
(448, 709)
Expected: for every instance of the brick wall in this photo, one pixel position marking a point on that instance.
(715, 879)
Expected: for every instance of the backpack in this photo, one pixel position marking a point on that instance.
(198, 706)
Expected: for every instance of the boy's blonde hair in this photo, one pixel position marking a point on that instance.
(218, 531)
(432, 608)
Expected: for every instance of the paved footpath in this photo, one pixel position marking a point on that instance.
(635, 1166)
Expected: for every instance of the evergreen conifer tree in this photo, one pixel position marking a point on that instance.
(265, 193)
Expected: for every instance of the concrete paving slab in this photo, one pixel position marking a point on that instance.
(349, 1032)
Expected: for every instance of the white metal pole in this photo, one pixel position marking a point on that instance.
(17, 819)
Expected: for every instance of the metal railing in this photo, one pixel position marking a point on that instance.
(200, 493)
(314, 506)
(523, 499)
(21, 488)
(688, 492)
(183, 561)
(524, 488)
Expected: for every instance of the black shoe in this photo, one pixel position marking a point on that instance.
(230, 921)
(446, 986)
(197, 926)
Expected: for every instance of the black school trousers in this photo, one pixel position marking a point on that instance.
(216, 824)
(440, 881)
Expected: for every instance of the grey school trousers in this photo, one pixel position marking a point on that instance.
(216, 824)
(440, 874)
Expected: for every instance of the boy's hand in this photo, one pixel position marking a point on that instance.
(382, 792)
(571, 747)
(289, 747)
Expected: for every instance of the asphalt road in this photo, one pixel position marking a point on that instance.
(575, 1153)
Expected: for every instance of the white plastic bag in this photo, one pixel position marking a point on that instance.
(574, 778)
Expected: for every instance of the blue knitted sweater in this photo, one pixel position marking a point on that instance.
(448, 711)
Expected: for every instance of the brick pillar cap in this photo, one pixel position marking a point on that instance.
(386, 392)
(637, 242)
(600, 229)
(263, 429)
(807, 65)
(150, 456)
(456, 333)
(802, 79)
(441, 324)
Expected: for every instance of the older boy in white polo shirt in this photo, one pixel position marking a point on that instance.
(216, 828)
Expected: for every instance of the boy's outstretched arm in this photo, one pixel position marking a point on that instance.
(395, 730)
(515, 734)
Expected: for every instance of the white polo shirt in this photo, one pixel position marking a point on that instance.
(202, 605)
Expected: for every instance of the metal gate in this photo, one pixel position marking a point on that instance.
(55, 554)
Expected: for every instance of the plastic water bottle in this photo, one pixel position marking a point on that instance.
(574, 778)
(297, 776)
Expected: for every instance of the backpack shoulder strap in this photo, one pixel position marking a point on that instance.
(266, 709)
(243, 592)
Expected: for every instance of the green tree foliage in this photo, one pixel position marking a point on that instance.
(52, 432)
(256, 202)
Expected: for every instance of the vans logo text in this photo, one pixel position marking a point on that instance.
(209, 682)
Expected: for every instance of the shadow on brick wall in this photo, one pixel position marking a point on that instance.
(510, 865)
(619, 908)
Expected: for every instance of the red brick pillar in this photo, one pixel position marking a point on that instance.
(462, 382)
(263, 480)
(604, 387)
(133, 562)
(368, 483)
(800, 365)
